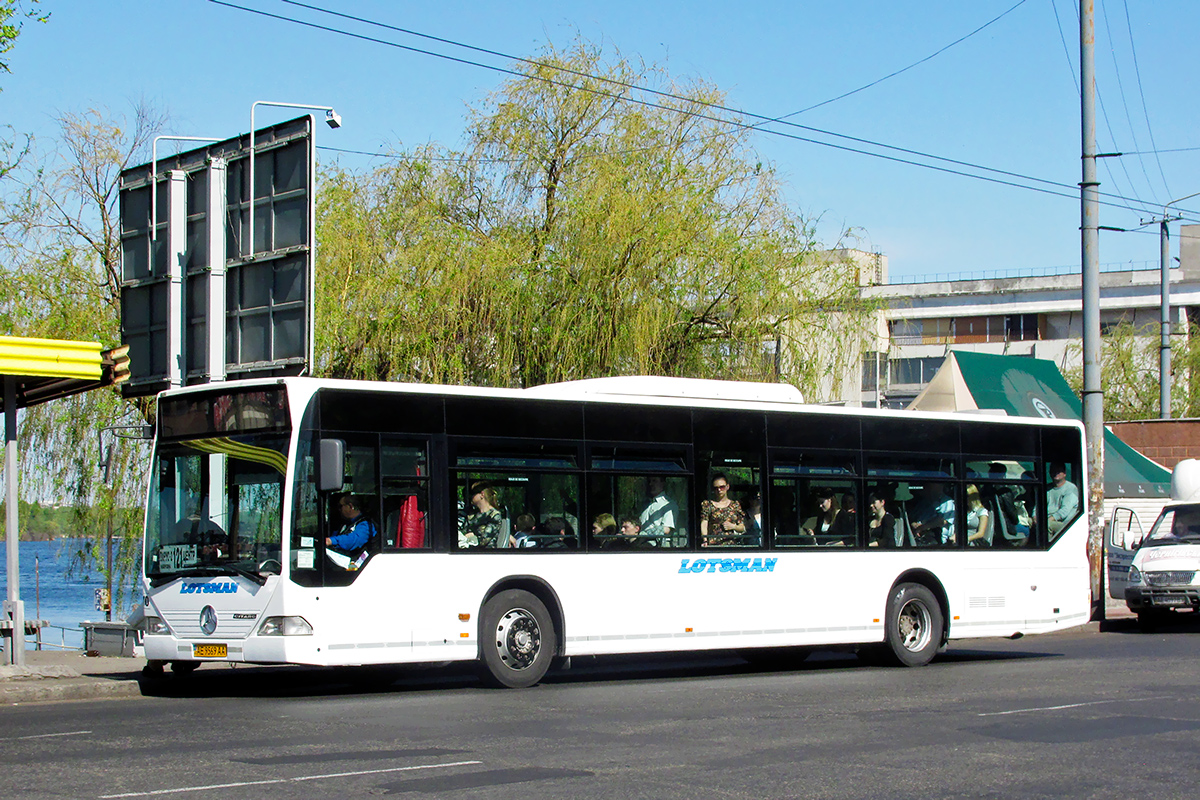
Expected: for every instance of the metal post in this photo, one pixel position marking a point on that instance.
(1164, 348)
(14, 609)
(215, 360)
(1093, 397)
(37, 597)
(176, 253)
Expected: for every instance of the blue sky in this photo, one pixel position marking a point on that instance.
(1004, 98)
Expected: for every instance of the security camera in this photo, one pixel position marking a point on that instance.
(333, 119)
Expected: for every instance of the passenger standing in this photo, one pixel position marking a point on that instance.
(722, 515)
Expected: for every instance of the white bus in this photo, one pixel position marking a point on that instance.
(520, 528)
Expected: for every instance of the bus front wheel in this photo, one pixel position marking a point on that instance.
(517, 640)
(914, 625)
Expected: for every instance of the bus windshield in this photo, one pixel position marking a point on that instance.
(216, 507)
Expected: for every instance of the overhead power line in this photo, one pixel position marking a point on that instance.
(761, 119)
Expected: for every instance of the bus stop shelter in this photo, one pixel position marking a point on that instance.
(37, 371)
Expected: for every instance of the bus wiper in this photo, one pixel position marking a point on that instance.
(261, 580)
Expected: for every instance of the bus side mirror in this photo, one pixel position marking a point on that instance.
(331, 465)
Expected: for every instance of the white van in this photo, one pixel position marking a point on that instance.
(1159, 574)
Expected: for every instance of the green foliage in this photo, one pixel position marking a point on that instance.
(59, 278)
(578, 235)
(12, 13)
(1129, 373)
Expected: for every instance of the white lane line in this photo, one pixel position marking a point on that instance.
(1071, 705)
(1043, 708)
(287, 780)
(45, 736)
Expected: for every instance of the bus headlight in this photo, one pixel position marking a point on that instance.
(1135, 575)
(285, 626)
(156, 627)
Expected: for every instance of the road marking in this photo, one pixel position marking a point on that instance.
(1044, 708)
(45, 736)
(286, 780)
(1072, 705)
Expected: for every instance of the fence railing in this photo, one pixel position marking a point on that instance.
(40, 641)
(1019, 272)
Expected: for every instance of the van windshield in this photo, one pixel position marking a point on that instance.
(1177, 525)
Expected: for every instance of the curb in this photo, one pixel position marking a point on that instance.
(16, 692)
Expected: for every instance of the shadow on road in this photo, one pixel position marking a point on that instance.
(297, 681)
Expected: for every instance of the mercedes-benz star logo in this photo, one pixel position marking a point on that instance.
(208, 620)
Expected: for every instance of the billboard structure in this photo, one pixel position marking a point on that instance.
(199, 302)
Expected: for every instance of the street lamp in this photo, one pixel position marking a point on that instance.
(332, 119)
(1164, 347)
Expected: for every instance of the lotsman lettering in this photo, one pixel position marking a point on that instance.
(769, 564)
(683, 566)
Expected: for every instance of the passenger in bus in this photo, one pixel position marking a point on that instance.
(829, 526)
(881, 530)
(722, 515)
(783, 517)
(754, 521)
(357, 530)
(979, 529)
(604, 525)
(1003, 497)
(483, 526)
(525, 525)
(658, 518)
(627, 538)
(1062, 499)
(847, 522)
(557, 534)
(933, 516)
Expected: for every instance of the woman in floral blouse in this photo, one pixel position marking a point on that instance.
(483, 526)
(722, 515)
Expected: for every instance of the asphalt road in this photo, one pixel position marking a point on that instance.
(1080, 714)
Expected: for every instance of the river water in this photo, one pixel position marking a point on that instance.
(54, 592)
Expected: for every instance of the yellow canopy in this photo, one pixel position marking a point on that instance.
(47, 369)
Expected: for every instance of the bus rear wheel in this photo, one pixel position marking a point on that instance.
(517, 640)
(914, 625)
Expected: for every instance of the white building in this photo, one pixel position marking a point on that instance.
(1037, 316)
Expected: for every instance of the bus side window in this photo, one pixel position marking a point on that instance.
(645, 491)
(405, 504)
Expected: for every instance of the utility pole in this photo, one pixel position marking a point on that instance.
(1164, 347)
(1093, 397)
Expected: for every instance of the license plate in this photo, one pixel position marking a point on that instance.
(1171, 601)
(209, 651)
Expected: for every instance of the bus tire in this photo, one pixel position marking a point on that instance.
(184, 667)
(914, 625)
(517, 640)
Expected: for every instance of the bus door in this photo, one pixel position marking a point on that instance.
(1124, 536)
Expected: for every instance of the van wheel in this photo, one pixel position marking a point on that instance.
(914, 625)
(516, 639)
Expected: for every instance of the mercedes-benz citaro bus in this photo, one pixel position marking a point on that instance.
(329, 522)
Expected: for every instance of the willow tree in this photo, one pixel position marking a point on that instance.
(1131, 369)
(59, 278)
(579, 233)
